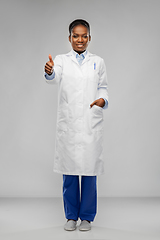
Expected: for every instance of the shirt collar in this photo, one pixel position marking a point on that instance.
(75, 53)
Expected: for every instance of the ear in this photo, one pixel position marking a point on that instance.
(69, 38)
(89, 38)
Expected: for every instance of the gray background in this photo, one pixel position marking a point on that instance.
(126, 34)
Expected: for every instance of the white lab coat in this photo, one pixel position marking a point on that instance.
(79, 132)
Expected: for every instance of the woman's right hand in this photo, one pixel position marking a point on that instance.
(49, 65)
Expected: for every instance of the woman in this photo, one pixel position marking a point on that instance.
(82, 96)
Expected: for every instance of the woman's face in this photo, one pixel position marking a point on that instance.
(79, 38)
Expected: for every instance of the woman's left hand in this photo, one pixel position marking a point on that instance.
(99, 102)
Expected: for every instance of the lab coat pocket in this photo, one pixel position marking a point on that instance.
(97, 118)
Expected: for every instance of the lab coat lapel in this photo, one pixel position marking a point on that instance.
(87, 58)
(71, 55)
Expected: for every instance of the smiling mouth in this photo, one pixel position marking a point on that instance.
(79, 45)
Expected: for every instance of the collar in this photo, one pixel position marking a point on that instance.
(75, 53)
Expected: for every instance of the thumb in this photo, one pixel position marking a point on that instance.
(50, 58)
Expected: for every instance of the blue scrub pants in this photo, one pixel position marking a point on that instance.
(76, 205)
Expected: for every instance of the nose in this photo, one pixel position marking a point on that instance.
(80, 39)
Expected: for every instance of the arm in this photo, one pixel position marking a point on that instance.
(103, 84)
(102, 93)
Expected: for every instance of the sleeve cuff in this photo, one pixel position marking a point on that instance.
(49, 77)
(106, 103)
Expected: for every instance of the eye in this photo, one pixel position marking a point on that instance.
(74, 36)
(85, 36)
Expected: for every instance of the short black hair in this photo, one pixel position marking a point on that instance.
(78, 22)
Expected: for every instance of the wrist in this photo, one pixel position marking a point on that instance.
(103, 102)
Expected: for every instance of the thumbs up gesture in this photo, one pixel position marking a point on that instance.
(49, 65)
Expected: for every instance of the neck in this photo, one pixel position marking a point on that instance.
(79, 52)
